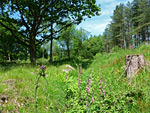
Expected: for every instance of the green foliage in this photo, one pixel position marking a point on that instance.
(40, 18)
(92, 46)
(130, 25)
(115, 49)
(63, 93)
(9, 48)
(77, 43)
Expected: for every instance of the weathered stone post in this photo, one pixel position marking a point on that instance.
(133, 64)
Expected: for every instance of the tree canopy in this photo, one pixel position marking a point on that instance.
(31, 22)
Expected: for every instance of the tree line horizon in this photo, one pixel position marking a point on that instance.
(55, 21)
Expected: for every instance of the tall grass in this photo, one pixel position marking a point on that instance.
(61, 94)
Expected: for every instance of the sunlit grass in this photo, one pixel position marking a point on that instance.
(17, 82)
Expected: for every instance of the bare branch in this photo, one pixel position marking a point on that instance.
(21, 14)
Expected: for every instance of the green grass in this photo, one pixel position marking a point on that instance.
(17, 82)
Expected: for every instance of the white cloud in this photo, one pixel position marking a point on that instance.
(104, 1)
(96, 25)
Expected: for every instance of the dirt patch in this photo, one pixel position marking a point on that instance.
(9, 81)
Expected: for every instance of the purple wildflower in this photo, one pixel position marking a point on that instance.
(86, 105)
(43, 68)
(79, 80)
(87, 89)
(44, 89)
(66, 77)
(99, 92)
(88, 83)
(100, 87)
(103, 92)
(100, 82)
(93, 100)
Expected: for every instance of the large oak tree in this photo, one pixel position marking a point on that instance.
(29, 20)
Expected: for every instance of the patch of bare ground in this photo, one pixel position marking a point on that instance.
(10, 97)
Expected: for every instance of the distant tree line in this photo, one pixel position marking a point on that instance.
(130, 25)
(49, 28)
(78, 43)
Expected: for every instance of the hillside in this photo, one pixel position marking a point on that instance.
(92, 89)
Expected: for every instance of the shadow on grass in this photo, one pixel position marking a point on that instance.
(5, 66)
(73, 62)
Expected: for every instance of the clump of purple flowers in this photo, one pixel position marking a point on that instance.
(88, 82)
(43, 68)
(101, 88)
(88, 90)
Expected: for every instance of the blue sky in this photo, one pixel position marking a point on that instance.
(96, 25)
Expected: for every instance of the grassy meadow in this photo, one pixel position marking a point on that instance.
(93, 89)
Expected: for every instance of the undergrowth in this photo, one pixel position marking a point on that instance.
(91, 89)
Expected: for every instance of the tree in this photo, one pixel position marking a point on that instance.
(31, 18)
(106, 37)
(66, 37)
(77, 43)
(9, 48)
(141, 16)
(118, 26)
(92, 46)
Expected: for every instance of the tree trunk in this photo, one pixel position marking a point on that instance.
(125, 43)
(51, 50)
(133, 64)
(68, 53)
(32, 50)
(135, 40)
(148, 40)
(33, 56)
(43, 52)
(143, 35)
(9, 57)
(68, 50)
(51, 38)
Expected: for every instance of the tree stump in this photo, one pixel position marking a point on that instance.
(133, 64)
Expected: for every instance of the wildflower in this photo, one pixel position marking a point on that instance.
(100, 87)
(66, 77)
(87, 89)
(100, 82)
(103, 92)
(42, 71)
(93, 100)
(44, 89)
(43, 68)
(99, 92)
(79, 80)
(86, 105)
(88, 81)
